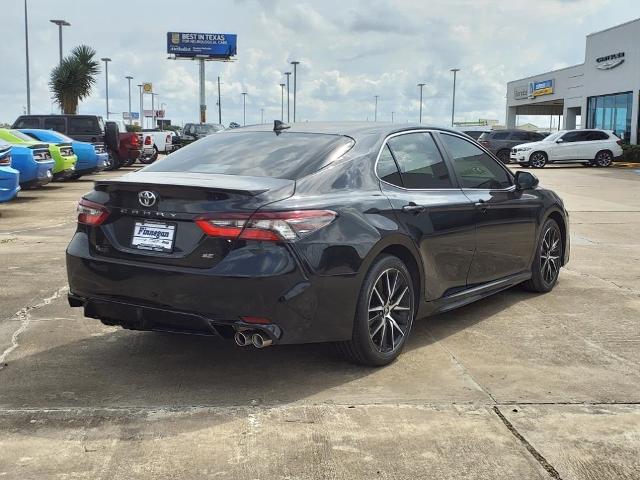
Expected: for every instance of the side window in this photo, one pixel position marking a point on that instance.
(82, 126)
(500, 136)
(55, 123)
(535, 137)
(28, 122)
(570, 137)
(596, 135)
(387, 168)
(420, 162)
(474, 168)
(520, 136)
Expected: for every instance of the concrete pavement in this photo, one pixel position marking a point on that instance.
(517, 386)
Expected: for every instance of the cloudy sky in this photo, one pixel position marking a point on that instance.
(349, 50)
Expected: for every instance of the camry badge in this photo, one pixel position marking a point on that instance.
(147, 198)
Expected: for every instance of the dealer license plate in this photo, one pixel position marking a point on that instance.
(154, 236)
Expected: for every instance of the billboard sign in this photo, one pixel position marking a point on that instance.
(134, 116)
(158, 113)
(543, 87)
(209, 45)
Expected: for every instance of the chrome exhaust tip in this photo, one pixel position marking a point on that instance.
(260, 341)
(242, 339)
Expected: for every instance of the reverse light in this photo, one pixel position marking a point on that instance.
(266, 226)
(91, 213)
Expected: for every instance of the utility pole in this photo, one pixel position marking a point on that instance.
(421, 85)
(129, 78)
(141, 114)
(60, 24)
(244, 108)
(219, 104)
(203, 103)
(261, 115)
(453, 103)
(106, 61)
(375, 112)
(288, 74)
(282, 102)
(26, 43)
(295, 80)
(392, 116)
(153, 109)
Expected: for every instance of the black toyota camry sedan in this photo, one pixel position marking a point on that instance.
(302, 233)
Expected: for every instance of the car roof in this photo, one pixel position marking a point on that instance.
(349, 129)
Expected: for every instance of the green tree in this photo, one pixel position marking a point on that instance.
(73, 79)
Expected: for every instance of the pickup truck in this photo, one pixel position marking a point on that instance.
(124, 147)
(155, 142)
(195, 131)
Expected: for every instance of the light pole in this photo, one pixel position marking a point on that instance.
(153, 109)
(219, 103)
(261, 115)
(453, 103)
(288, 74)
(244, 108)
(141, 114)
(392, 116)
(282, 102)
(106, 61)
(375, 112)
(26, 44)
(295, 80)
(60, 24)
(129, 78)
(421, 85)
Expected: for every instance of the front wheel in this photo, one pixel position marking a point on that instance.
(603, 158)
(538, 159)
(504, 156)
(384, 314)
(548, 259)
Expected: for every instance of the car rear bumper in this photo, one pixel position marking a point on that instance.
(9, 183)
(143, 296)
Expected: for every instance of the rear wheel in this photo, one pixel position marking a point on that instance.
(384, 314)
(538, 159)
(547, 260)
(504, 156)
(603, 158)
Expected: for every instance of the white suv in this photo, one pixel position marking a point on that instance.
(589, 147)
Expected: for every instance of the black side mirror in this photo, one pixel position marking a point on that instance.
(526, 180)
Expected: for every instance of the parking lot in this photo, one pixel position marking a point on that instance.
(518, 386)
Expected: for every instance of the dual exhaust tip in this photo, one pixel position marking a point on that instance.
(246, 338)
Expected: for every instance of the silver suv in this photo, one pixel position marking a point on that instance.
(501, 142)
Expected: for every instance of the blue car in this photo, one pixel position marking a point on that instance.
(9, 177)
(34, 163)
(91, 158)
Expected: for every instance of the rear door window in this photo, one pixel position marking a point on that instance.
(420, 162)
(500, 136)
(82, 126)
(28, 122)
(387, 168)
(596, 135)
(55, 123)
(474, 167)
(524, 136)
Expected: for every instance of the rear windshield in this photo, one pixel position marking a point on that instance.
(22, 136)
(257, 154)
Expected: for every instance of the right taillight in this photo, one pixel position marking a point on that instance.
(266, 226)
(147, 140)
(91, 213)
(5, 161)
(619, 142)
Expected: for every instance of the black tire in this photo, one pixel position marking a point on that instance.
(504, 156)
(111, 136)
(603, 159)
(538, 159)
(544, 274)
(371, 343)
(151, 158)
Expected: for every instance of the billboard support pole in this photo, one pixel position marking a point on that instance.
(203, 105)
(219, 104)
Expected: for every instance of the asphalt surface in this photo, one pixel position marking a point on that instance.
(518, 386)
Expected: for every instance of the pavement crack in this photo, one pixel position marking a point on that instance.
(553, 473)
(24, 316)
(464, 370)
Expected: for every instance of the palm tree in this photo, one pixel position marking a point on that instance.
(73, 79)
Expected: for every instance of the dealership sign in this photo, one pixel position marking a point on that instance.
(609, 61)
(202, 45)
(533, 89)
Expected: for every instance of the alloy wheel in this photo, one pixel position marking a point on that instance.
(390, 310)
(550, 255)
(603, 159)
(538, 160)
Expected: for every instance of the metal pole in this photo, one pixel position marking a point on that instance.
(129, 78)
(219, 104)
(375, 112)
(392, 116)
(153, 110)
(295, 80)
(203, 104)
(453, 103)
(288, 74)
(141, 114)
(26, 42)
(244, 108)
(106, 61)
(282, 102)
(262, 115)
(421, 85)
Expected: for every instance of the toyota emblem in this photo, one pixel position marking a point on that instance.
(147, 198)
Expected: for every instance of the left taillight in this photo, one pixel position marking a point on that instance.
(147, 140)
(91, 213)
(5, 161)
(266, 226)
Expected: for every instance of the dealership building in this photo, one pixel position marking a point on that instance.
(603, 92)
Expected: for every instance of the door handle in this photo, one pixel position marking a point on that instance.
(413, 208)
(482, 206)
